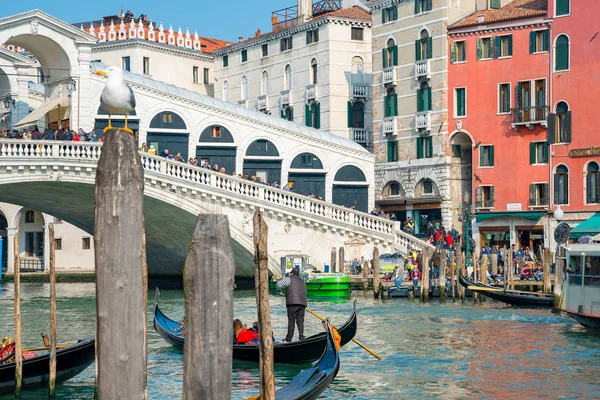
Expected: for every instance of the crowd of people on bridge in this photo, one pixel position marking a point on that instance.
(63, 134)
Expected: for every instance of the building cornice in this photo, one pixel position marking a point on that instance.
(375, 5)
(478, 30)
(163, 48)
(289, 32)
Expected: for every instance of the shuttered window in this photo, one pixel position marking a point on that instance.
(503, 46)
(424, 102)
(592, 184)
(486, 156)
(389, 14)
(538, 153)
(392, 151)
(538, 194)
(539, 41)
(563, 7)
(244, 56)
(495, 4)
(424, 147)
(504, 98)
(460, 96)
(391, 105)
(458, 51)
(561, 55)
(561, 185)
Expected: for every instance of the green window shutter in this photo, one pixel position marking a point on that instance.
(417, 6)
(395, 13)
(429, 4)
(419, 100)
(532, 194)
(510, 40)
(395, 110)
(291, 113)
(282, 114)
(556, 191)
(429, 48)
(308, 115)
(562, 7)
(390, 147)
(546, 40)
(479, 49)
(551, 128)
(519, 95)
(568, 127)
(383, 21)
(428, 96)
(453, 52)
(491, 199)
(395, 55)
(491, 156)
(546, 199)
(481, 164)
(430, 145)
(498, 47)
(545, 154)
(385, 59)
(418, 50)
(532, 153)
(532, 42)
(495, 4)
(562, 54)
(350, 119)
(386, 109)
(419, 147)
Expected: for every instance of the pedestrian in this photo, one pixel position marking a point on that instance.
(295, 302)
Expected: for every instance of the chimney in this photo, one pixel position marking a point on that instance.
(240, 38)
(257, 33)
(480, 18)
(305, 8)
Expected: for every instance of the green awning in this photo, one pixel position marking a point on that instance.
(589, 227)
(532, 216)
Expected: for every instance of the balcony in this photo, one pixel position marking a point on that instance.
(483, 204)
(422, 69)
(540, 202)
(242, 103)
(389, 76)
(423, 120)
(289, 17)
(389, 126)
(263, 103)
(529, 117)
(360, 90)
(311, 92)
(286, 97)
(360, 135)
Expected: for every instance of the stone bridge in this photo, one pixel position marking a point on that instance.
(58, 178)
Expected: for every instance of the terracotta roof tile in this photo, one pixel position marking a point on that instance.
(350, 12)
(516, 10)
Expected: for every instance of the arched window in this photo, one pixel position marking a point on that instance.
(424, 46)
(391, 189)
(288, 77)
(563, 123)
(425, 187)
(29, 217)
(358, 115)
(226, 91)
(592, 186)
(561, 185)
(244, 88)
(315, 111)
(264, 87)
(390, 54)
(424, 97)
(313, 71)
(561, 54)
(358, 67)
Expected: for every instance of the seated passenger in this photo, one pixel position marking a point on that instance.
(242, 334)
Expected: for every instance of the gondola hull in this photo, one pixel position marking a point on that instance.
(70, 362)
(512, 297)
(589, 321)
(298, 352)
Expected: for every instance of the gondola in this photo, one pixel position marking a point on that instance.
(512, 297)
(70, 362)
(298, 352)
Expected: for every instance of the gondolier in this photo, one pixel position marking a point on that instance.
(295, 302)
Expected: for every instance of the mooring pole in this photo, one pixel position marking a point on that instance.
(333, 259)
(341, 261)
(376, 287)
(18, 337)
(52, 377)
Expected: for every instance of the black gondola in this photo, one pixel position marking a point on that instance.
(298, 352)
(512, 297)
(70, 362)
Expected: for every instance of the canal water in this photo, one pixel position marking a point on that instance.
(446, 351)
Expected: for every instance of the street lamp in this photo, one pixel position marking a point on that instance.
(467, 218)
(71, 86)
(9, 101)
(558, 214)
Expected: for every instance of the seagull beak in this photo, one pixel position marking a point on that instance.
(101, 73)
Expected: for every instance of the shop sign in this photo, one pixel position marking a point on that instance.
(514, 207)
(589, 152)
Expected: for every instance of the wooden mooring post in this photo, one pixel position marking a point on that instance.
(442, 275)
(507, 267)
(494, 261)
(376, 281)
(475, 295)
(511, 271)
(333, 260)
(546, 270)
(119, 269)
(460, 269)
(559, 263)
(342, 262)
(18, 337)
(365, 274)
(52, 375)
(427, 253)
(261, 278)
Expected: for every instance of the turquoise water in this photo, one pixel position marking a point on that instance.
(446, 351)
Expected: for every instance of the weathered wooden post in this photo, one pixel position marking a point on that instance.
(365, 273)
(376, 287)
(145, 291)
(484, 268)
(333, 260)
(546, 270)
(52, 375)
(427, 253)
(507, 267)
(341, 261)
(119, 269)
(18, 346)
(475, 295)
(511, 269)
(442, 277)
(452, 276)
(460, 270)
(558, 276)
(494, 261)
(261, 278)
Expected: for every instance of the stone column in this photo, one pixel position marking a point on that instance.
(81, 113)
(21, 95)
(10, 262)
(446, 207)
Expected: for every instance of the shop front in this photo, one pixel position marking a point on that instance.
(523, 229)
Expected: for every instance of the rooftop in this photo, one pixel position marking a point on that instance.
(516, 10)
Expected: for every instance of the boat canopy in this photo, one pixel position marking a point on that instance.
(589, 227)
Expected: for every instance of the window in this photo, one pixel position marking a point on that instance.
(424, 98)
(390, 54)
(313, 71)
(215, 132)
(244, 56)
(485, 48)
(313, 114)
(29, 217)
(539, 41)
(312, 36)
(524, 101)
(288, 77)
(538, 153)
(504, 98)
(392, 151)
(244, 88)
(126, 63)
(57, 244)
(265, 50)
(86, 243)
(146, 67)
(485, 197)
(392, 188)
(206, 76)
(495, 4)
(561, 185)
(486, 156)
(424, 147)
(460, 100)
(427, 185)
(195, 74)
(167, 118)
(390, 104)
(424, 47)
(504, 46)
(358, 67)
(592, 186)
(264, 87)
(286, 44)
(423, 5)
(562, 7)
(34, 244)
(561, 54)
(458, 51)
(226, 91)
(389, 14)
(225, 61)
(538, 194)
(287, 113)
(357, 34)
(356, 114)
(559, 124)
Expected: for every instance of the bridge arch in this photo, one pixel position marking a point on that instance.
(308, 175)
(262, 159)
(216, 145)
(350, 188)
(167, 130)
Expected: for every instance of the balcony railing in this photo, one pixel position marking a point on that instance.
(422, 69)
(360, 90)
(263, 102)
(423, 120)
(529, 116)
(286, 97)
(311, 92)
(389, 76)
(485, 203)
(31, 264)
(539, 202)
(360, 135)
(389, 126)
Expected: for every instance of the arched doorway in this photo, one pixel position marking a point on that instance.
(307, 175)
(262, 160)
(350, 188)
(31, 239)
(462, 163)
(118, 121)
(168, 131)
(3, 242)
(217, 147)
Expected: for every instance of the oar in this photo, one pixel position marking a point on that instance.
(45, 348)
(354, 340)
(484, 289)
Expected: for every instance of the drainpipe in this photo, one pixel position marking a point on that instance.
(550, 149)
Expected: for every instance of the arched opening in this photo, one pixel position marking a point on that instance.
(392, 188)
(424, 97)
(244, 88)
(561, 56)
(392, 201)
(262, 161)
(461, 150)
(390, 55)
(358, 70)
(118, 121)
(314, 78)
(563, 123)
(350, 188)
(217, 147)
(5, 89)
(357, 115)
(168, 132)
(307, 175)
(264, 84)
(314, 115)
(592, 185)
(426, 206)
(226, 91)
(31, 241)
(561, 185)
(3, 243)
(287, 113)
(288, 77)
(424, 46)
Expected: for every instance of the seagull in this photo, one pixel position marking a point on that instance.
(117, 97)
